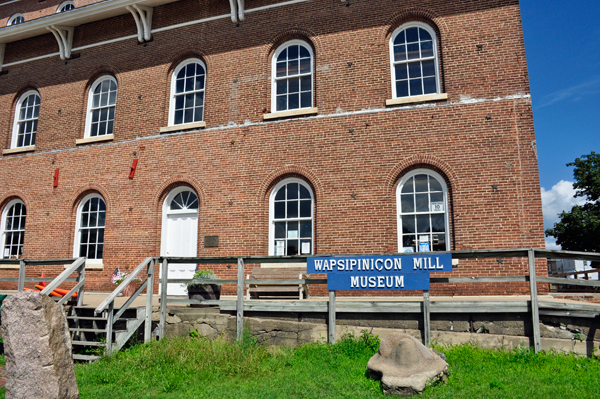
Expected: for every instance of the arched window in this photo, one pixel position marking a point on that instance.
(26, 120)
(187, 93)
(65, 6)
(422, 203)
(413, 51)
(89, 235)
(16, 20)
(291, 218)
(292, 77)
(12, 230)
(102, 101)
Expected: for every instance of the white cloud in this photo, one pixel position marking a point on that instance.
(554, 201)
(589, 87)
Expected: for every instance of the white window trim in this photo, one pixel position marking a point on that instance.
(90, 102)
(274, 77)
(15, 16)
(272, 212)
(91, 262)
(15, 132)
(63, 4)
(3, 223)
(435, 56)
(173, 89)
(442, 182)
(166, 211)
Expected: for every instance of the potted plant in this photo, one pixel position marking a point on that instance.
(201, 291)
(130, 289)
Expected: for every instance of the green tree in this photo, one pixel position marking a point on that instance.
(579, 229)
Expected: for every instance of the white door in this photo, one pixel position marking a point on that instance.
(180, 235)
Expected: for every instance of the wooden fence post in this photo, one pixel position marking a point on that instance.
(149, 293)
(535, 314)
(162, 328)
(240, 301)
(21, 284)
(426, 319)
(331, 324)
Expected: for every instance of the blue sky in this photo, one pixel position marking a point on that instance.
(562, 40)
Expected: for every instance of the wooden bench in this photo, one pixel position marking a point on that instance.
(277, 290)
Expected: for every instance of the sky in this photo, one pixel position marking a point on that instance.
(562, 41)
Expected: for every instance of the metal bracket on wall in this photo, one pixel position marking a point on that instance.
(237, 10)
(143, 21)
(64, 37)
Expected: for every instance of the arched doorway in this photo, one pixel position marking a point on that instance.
(180, 234)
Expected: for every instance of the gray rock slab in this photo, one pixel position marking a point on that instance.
(406, 366)
(37, 345)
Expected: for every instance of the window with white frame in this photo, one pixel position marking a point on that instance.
(16, 20)
(26, 120)
(292, 77)
(102, 101)
(413, 51)
(291, 218)
(12, 230)
(65, 6)
(89, 236)
(187, 93)
(422, 203)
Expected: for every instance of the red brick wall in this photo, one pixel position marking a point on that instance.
(230, 162)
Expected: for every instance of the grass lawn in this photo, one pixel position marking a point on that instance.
(199, 368)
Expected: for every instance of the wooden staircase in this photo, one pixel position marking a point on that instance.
(89, 331)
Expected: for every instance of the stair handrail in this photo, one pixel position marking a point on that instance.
(77, 266)
(111, 298)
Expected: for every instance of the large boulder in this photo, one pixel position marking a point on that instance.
(37, 345)
(405, 366)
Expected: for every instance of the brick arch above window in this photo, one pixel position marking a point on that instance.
(418, 14)
(285, 172)
(82, 192)
(419, 161)
(167, 186)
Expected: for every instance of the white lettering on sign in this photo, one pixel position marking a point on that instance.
(376, 281)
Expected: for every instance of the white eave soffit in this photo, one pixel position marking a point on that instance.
(83, 15)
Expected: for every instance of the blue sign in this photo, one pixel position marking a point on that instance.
(384, 272)
(373, 280)
(399, 264)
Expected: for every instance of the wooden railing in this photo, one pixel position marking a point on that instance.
(76, 265)
(424, 305)
(108, 304)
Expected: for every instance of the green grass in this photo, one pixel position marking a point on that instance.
(199, 368)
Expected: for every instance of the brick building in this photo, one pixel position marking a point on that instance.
(135, 128)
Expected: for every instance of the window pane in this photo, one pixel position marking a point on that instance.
(430, 86)
(421, 183)
(408, 224)
(280, 210)
(304, 193)
(426, 49)
(294, 85)
(306, 229)
(283, 55)
(408, 240)
(294, 101)
(306, 100)
(292, 247)
(400, 53)
(292, 191)
(281, 69)
(280, 230)
(401, 72)
(400, 38)
(439, 242)
(188, 115)
(280, 194)
(292, 209)
(412, 35)
(414, 70)
(428, 68)
(281, 103)
(424, 35)
(178, 117)
(422, 202)
(434, 185)
(412, 51)
(281, 86)
(407, 203)
(305, 208)
(179, 85)
(305, 65)
(305, 247)
(304, 52)
(293, 52)
(293, 67)
(305, 84)
(402, 88)
(437, 223)
(423, 224)
(415, 87)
